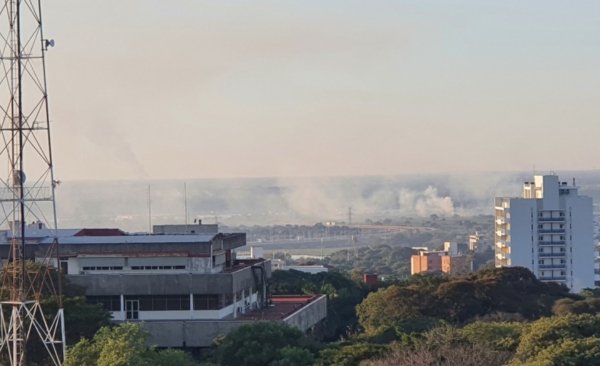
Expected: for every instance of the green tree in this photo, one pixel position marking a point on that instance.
(590, 305)
(350, 355)
(123, 345)
(579, 352)
(550, 332)
(294, 356)
(512, 290)
(257, 344)
(499, 336)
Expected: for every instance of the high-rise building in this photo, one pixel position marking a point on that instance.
(549, 231)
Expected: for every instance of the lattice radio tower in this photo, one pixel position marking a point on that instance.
(26, 190)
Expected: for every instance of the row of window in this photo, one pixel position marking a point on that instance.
(541, 214)
(562, 261)
(102, 268)
(541, 250)
(543, 274)
(163, 302)
(133, 268)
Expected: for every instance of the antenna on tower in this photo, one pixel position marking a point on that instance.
(149, 210)
(27, 192)
(185, 204)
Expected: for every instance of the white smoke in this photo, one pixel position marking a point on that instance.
(425, 203)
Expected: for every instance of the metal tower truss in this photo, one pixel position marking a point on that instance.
(27, 187)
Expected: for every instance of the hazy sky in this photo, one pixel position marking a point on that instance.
(160, 89)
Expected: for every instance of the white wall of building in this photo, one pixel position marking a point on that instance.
(549, 231)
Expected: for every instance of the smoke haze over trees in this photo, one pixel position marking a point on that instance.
(264, 201)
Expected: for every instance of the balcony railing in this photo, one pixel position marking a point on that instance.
(561, 254)
(556, 278)
(553, 231)
(554, 242)
(552, 266)
(561, 218)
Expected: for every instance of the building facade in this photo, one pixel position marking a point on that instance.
(441, 261)
(477, 242)
(548, 230)
(187, 288)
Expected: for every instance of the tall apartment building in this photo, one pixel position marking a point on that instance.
(549, 231)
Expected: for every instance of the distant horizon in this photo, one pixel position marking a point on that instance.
(432, 174)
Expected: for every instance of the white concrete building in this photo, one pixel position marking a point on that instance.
(549, 231)
(188, 288)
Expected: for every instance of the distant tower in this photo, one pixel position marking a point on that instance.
(349, 216)
(26, 186)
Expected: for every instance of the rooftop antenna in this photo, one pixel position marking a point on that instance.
(185, 204)
(149, 210)
(27, 192)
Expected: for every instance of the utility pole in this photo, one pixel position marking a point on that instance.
(349, 216)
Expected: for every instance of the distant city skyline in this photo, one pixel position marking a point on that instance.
(189, 89)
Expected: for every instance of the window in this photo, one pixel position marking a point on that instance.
(110, 303)
(540, 226)
(541, 261)
(562, 261)
(162, 302)
(562, 250)
(206, 302)
(540, 238)
(563, 273)
(101, 268)
(153, 268)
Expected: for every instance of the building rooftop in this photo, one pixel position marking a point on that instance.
(131, 239)
(283, 307)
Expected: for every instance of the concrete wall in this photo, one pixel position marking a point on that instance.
(168, 284)
(202, 333)
(309, 315)
(186, 229)
(580, 242)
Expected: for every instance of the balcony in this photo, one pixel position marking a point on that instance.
(561, 254)
(551, 231)
(502, 232)
(556, 278)
(554, 242)
(553, 266)
(550, 219)
(502, 221)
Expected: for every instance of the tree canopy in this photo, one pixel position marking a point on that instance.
(510, 290)
(123, 345)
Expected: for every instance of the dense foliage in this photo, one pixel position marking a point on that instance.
(343, 296)
(123, 345)
(509, 290)
(261, 343)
